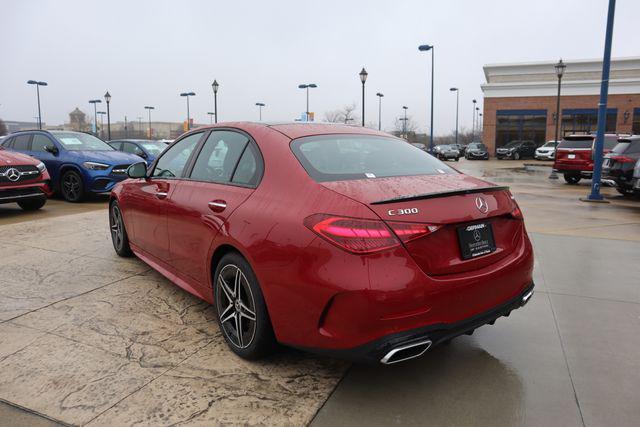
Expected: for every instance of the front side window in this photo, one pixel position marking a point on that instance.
(347, 157)
(219, 156)
(40, 142)
(174, 160)
(75, 141)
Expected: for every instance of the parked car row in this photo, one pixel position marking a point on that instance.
(74, 164)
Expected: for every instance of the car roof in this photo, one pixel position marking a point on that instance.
(295, 130)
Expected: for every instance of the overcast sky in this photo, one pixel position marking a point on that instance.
(147, 52)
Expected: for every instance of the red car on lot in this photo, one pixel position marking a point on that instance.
(328, 238)
(574, 156)
(23, 180)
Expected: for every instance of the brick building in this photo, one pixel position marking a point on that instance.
(520, 100)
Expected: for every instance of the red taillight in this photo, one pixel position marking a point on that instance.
(622, 159)
(364, 236)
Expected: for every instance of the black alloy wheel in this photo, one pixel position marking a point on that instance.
(119, 236)
(72, 187)
(241, 310)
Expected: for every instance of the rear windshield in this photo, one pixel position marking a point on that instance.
(347, 157)
(576, 143)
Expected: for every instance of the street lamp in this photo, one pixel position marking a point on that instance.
(211, 114)
(457, 91)
(215, 86)
(307, 86)
(363, 79)
(425, 48)
(149, 108)
(107, 98)
(473, 126)
(260, 105)
(95, 114)
(404, 122)
(38, 84)
(102, 113)
(187, 95)
(560, 68)
(379, 95)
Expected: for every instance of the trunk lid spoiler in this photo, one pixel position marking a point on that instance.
(437, 194)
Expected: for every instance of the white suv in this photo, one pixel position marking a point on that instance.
(546, 151)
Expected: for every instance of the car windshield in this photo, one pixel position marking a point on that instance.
(74, 141)
(154, 148)
(477, 146)
(549, 144)
(347, 157)
(512, 144)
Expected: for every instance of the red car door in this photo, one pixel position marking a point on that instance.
(222, 177)
(147, 200)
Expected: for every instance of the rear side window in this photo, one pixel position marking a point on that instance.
(219, 156)
(576, 143)
(346, 157)
(21, 142)
(249, 169)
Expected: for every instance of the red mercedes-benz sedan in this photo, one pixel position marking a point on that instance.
(324, 237)
(23, 180)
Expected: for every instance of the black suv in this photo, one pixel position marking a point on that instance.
(517, 150)
(618, 164)
(476, 150)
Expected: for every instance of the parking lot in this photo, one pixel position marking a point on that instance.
(90, 338)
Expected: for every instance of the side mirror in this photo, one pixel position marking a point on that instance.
(137, 170)
(51, 149)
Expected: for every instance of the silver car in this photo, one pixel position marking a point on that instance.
(546, 151)
(447, 152)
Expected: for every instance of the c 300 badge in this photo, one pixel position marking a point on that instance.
(407, 211)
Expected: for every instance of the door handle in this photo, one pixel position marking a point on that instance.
(161, 194)
(217, 205)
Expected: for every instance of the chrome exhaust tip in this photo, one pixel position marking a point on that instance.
(526, 297)
(406, 352)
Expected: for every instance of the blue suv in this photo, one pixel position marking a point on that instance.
(79, 163)
(145, 148)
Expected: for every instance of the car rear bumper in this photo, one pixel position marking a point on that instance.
(405, 345)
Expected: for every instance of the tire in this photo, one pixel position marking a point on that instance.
(572, 179)
(627, 192)
(72, 187)
(240, 304)
(457, 158)
(119, 236)
(516, 156)
(33, 204)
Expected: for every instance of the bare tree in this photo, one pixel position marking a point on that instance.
(3, 128)
(406, 128)
(343, 115)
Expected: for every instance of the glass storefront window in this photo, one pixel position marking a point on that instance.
(585, 120)
(635, 129)
(518, 125)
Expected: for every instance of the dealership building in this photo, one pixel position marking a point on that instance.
(520, 100)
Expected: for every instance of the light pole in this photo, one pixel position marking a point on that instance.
(102, 113)
(307, 86)
(560, 68)
(149, 108)
(211, 114)
(404, 122)
(363, 79)
(215, 87)
(477, 120)
(379, 95)
(595, 195)
(260, 105)
(38, 84)
(473, 126)
(187, 95)
(457, 91)
(107, 98)
(95, 114)
(424, 48)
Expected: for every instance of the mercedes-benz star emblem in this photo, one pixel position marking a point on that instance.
(476, 235)
(13, 174)
(482, 205)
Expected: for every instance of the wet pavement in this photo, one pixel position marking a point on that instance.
(90, 338)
